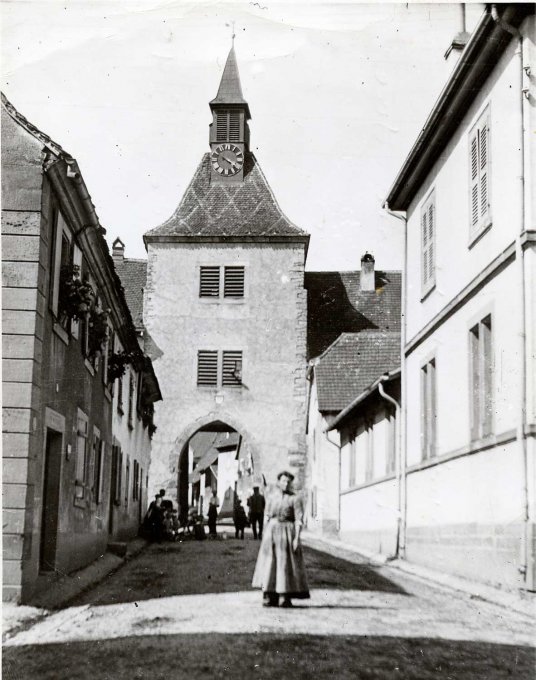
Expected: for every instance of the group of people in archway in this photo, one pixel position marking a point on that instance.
(241, 520)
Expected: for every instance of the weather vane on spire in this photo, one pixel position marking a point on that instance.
(233, 35)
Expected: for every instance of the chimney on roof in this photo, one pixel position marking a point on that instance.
(367, 282)
(460, 39)
(118, 250)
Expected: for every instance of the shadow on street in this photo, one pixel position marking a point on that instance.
(209, 656)
(220, 566)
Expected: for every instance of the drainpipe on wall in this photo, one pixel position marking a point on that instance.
(338, 446)
(526, 568)
(403, 449)
(400, 475)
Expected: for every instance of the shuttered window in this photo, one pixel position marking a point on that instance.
(209, 282)
(219, 369)
(207, 368)
(479, 166)
(428, 410)
(233, 286)
(481, 374)
(428, 229)
(228, 126)
(233, 282)
(231, 368)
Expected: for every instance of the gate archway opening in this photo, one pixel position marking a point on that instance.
(216, 456)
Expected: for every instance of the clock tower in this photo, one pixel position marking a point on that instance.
(229, 131)
(225, 313)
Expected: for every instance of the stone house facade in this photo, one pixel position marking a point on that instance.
(63, 308)
(465, 194)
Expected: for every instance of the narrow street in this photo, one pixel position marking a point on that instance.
(186, 610)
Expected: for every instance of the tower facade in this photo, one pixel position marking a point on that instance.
(225, 311)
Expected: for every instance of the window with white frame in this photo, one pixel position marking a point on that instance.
(428, 229)
(428, 410)
(210, 278)
(479, 175)
(481, 379)
(219, 368)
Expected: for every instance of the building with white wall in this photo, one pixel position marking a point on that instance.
(465, 193)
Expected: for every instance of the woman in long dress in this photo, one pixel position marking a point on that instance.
(280, 570)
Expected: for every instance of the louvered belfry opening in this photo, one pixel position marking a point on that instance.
(209, 282)
(233, 286)
(228, 126)
(207, 368)
(231, 368)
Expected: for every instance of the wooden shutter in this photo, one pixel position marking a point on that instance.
(486, 378)
(209, 282)
(424, 236)
(428, 229)
(234, 126)
(207, 368)
(474, 359)
(473, 161)
(221, 126)
(432, 408)
(424, 410)
(483, 169)
(233, 285)
(352, 461)
(232, 368)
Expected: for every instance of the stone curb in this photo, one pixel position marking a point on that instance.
(64, 589)
(520, 601)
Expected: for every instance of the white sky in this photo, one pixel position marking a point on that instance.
(337, 90)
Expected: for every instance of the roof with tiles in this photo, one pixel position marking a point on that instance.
(336, 304)
(133, 275)
(230, 90)
(246, 209)
(352, 363)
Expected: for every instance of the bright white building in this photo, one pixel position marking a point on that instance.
(466, 195)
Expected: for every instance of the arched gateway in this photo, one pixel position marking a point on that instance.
(226, 307)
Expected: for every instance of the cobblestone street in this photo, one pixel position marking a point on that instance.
(187, 610)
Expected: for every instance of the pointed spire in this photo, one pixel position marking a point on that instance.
(230, 90)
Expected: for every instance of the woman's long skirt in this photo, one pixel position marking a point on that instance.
(280, 570)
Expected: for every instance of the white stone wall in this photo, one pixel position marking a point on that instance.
(466, 514)
(323, 466)
(268, 325)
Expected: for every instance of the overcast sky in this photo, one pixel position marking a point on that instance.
(338, 92)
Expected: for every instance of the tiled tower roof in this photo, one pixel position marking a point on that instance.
(230, 90)
(246, 209)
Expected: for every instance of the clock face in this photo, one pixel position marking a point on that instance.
(227, 159)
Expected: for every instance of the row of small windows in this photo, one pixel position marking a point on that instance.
(366, 463)
(480, 390)
(210, 282)
(479, 200)
(219, 368)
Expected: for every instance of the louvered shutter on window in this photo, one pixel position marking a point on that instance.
(233, 286)
(424, 231)
(221, 126)
(483, 139)
(207, 368)
(234, 126)
(209, 282)
(474, 179)
(428, 243)
(232, 368)
(431, 237)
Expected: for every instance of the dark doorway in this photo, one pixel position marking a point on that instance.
(51, 501)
